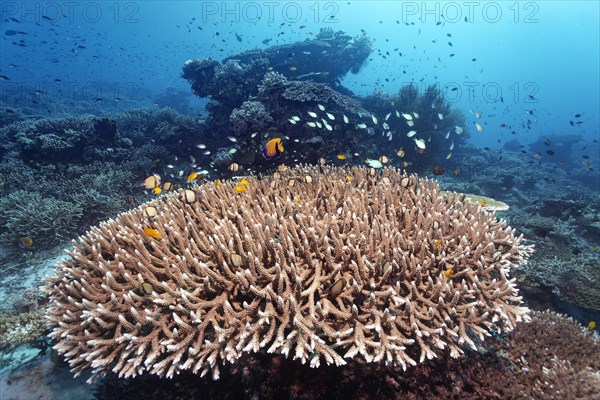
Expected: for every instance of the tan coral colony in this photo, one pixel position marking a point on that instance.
(318, 264)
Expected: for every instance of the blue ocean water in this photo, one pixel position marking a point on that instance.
(525, 76)
(134, 50)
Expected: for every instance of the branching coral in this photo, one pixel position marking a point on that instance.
(165, 127)
(47, 220)
(317, 267)
(557, 356)
(538, 226)
(573, 278)
(34, 139)
(42, 204)
(495, 373)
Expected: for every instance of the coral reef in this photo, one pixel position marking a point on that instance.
(19, 328)
(229, 83)
(564, 227)
(326, 58)
(250, 117)
(88, 174)
(536, 225)
(346, 265)
(40, 203)
(47, 220)
(573, 278)
(557, 357)
(48, 139)
(551, 358)
(86, 139)
(301, 80)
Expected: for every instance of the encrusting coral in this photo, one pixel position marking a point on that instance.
(322, 264)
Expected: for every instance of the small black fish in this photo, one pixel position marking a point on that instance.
(238, 37)
(4, 78)
(547, 142)
(586, 156)
(451, 55)
(550, 152)
(449, 35)
(577, 115)
(450, 44)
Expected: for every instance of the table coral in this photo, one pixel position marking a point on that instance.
(317, 267)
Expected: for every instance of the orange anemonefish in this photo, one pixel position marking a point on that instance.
(273, 149)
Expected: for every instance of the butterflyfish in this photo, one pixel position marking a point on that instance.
(151, 182)
(26, 242)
